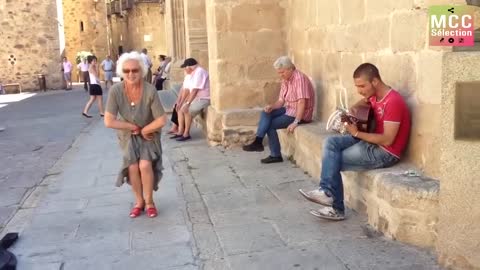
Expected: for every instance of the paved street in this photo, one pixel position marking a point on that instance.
(218, 209)
(38, 130)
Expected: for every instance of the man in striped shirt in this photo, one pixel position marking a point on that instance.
(294, 106)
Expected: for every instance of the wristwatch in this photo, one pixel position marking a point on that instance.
(296, 122)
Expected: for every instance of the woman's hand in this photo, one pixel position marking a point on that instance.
(146, 135)
(135, 129)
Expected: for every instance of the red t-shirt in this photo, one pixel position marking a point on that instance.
(392, 108)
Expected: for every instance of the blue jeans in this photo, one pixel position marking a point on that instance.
(347, 153)
(269, 123)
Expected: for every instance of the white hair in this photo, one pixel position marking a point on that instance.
(283, 62)
(131, 56)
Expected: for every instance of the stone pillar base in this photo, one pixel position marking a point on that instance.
(230, 128)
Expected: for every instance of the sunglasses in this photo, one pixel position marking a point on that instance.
(127, 71)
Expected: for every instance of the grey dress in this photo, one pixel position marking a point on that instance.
(134, 147)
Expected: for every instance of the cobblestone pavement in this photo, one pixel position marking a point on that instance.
(218, 209)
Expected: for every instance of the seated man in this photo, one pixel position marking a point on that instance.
(360, 150)
(195, 96)
(294, 106)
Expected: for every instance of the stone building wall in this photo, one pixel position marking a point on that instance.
(196, 31)
(244, 39)
(146, 29)
(32, 38)
(458, 231)
(329, 39)
(143, 26)
(85, 30)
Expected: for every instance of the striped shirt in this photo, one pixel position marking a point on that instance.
(298, 86)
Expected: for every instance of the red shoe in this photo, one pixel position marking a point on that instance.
(152, 212)
(136, 211)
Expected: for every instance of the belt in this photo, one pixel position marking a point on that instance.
(108, 70)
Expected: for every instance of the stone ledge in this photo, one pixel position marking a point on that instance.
(403, 208)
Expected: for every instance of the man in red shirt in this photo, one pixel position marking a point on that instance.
(294, 106)
(360, 150)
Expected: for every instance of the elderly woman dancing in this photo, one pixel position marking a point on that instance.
(140, 118)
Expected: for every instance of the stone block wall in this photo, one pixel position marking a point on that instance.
(329, 39)
(196, 31)
(244, 39)
(458, 231)
(146, 29)
(92, 37)
(32, 39)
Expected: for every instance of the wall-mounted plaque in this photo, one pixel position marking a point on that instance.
(467, 111)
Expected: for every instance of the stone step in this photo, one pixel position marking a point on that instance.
(401, 205)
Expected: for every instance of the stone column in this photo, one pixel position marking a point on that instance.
(244, 39)
(196, 31)
(175, 35)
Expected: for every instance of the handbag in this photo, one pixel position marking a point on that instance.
(361, 114)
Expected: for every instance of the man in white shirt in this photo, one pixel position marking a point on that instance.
(148, 63)
(83, 66)
(195, 97)
(108, 66)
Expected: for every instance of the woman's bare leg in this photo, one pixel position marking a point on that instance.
(181, 122)
(146, 172)
(136, 182)
(89, 104)
(173, 129)
(100, 104)
(188, 123)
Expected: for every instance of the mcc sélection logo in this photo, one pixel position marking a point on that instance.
(451, 25)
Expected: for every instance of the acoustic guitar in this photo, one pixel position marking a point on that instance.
(361, 114)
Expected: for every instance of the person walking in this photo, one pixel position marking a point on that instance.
(96, 92)
(139, 127)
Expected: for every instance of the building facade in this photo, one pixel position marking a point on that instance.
(30, 43)
(85, 30)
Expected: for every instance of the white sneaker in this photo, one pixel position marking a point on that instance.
(317, 196)
(328, 213)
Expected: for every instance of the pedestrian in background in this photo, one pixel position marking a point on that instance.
(141, 119)
(83, 66)
(107, 66)
(148, 63)
(163, 72)
(96, 92)
(67, 72)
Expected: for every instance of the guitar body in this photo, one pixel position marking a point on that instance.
(362, 114)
